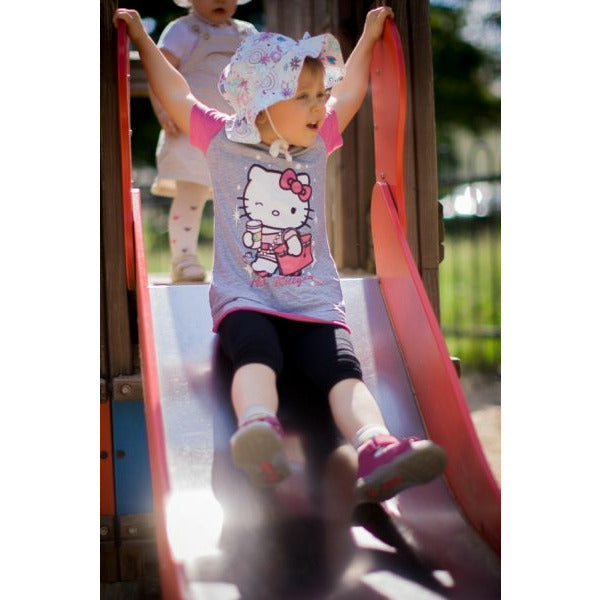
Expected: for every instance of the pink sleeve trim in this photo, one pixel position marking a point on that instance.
(330, 132)
(205, 123)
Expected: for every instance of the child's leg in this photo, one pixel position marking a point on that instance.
(184, 226)
(253, 392)
(257, 445)
(251, 341)
(355, 410)
(326, 354)
(386, 465)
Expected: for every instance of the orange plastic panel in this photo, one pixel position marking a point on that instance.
(437, 390)
(107, 479)
(388, 84)
(125, 139)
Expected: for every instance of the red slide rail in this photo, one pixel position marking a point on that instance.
(437, 389)
(125, 139)
(172, 578)
(388, 85)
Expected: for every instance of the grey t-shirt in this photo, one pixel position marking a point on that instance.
(271, 252)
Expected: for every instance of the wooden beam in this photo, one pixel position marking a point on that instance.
(104, 369)
(366, 180)
(425, 148)
(113, 286)
(425, 141)
(346, 28)
(410, 182)
(128, 387)
(109, 559)
(137, 526)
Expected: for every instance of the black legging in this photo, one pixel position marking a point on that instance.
(321, 351)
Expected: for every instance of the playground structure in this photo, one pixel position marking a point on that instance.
(182, 422)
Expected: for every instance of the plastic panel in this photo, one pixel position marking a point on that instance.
(437, 388)
(132, 468)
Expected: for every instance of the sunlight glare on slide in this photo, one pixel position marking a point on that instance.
(194, 521)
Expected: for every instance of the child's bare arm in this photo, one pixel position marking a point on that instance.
(161, 114)
(167, 83)
(348, 95)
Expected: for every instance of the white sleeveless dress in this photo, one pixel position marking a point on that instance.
(213, 48)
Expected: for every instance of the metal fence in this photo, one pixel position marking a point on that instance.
(470, 272)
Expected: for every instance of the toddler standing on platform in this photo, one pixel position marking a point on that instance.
(275, 295)
(199, 46)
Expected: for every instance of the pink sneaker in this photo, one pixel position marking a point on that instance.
(387, 465)
(257, 449)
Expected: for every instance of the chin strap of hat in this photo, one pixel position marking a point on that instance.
(279, 146)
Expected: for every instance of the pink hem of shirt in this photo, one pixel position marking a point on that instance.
(290, 316)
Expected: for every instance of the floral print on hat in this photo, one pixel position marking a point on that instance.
(264, 70)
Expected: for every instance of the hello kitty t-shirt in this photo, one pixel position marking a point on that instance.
(271, 252)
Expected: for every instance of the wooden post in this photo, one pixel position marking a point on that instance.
(410, 184)
(425, 167)
(116, 317)
(116, 347)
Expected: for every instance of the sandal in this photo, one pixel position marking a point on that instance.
(185, 268)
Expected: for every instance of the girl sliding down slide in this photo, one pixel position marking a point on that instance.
(275, 294)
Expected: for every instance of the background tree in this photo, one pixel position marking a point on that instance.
(464, 77)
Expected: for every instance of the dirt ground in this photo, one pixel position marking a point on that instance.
(483, 396)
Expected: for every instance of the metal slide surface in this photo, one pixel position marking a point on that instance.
(297, 541)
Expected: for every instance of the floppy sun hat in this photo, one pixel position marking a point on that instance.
(264, 70)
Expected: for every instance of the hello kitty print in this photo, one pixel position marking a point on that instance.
(270, 237)
(277, 207)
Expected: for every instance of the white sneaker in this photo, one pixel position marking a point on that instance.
(257, 449)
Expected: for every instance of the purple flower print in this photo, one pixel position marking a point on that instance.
(295, 63)
(286, 90)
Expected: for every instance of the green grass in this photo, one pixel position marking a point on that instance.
(156, 237)
(470, 292)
